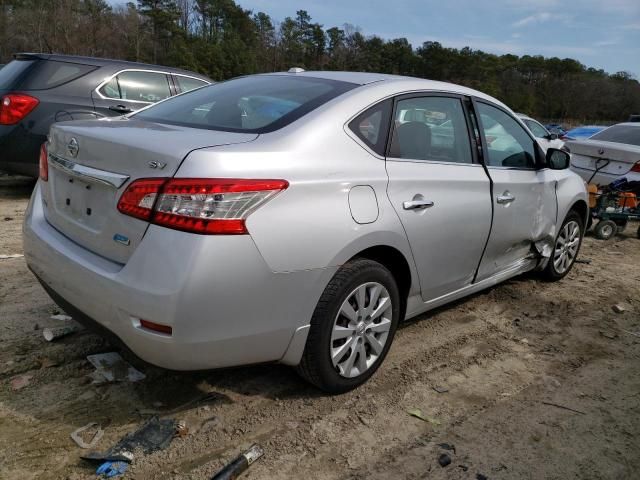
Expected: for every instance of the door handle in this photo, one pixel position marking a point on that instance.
(417, 204)
(120, 109)
(505, 198)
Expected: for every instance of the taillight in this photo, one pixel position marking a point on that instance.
(15, 106)
(636, 167)
(211, 206)
(44, 163)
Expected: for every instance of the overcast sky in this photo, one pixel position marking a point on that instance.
(599, 33)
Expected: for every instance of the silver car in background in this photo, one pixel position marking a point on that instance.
(294, 218)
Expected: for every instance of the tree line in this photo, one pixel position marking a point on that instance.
(221, 39)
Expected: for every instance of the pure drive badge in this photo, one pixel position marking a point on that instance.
(121, 239)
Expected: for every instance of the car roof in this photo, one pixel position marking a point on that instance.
(402, 82)
(105, 62)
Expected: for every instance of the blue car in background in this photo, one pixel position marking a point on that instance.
(555, 128)
(580, 133)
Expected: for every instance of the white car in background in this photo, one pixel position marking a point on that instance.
(609, 155)
(543, 136)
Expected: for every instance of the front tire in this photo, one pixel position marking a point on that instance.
(352, 327)
(565, 248)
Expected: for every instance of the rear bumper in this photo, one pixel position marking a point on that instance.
(226, 307)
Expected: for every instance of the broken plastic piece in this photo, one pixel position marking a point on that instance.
(51, 334)
(75, 436)
(152, 436)
(112, 469)
(63, 318)
(111, 367)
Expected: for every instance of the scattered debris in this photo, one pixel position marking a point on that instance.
(440, 389)
(449, 447)
(609, 335)
(207, 397)
(112, 469)
(586, 261)
(154, 435)
(618, 308)
(76, 435)
(51, 334)
(111, 367)
(19, 382)
(13, 255)
(563, 407)
(181, 429)
(238, 465)
(416, 412)
(8, 219)
(64, 318)
(630, 333)
(463, 467)
(480, 476)
(525, 341)
(444, 460)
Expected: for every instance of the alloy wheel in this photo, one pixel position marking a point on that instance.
(361, 329)
(566, 247)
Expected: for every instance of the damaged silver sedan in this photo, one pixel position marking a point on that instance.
(295, 218)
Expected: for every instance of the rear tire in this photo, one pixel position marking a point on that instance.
(605, 229)
(566, 248)
(352, 327)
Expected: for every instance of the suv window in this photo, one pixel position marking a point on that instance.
(12, 71)
(431, 128)
(186, 84)
(372, 125)
(537, 129)
(148, 87)
(508, 144)
(50, 74)
(256, 104)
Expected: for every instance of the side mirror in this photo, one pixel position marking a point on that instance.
(552, 136)
(557, 159)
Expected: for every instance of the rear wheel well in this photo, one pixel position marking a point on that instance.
(397, 264)
(581, 208)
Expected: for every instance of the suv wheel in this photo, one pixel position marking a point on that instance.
(352, 327)
(566, 247)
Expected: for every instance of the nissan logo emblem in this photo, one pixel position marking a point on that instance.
(73, 148)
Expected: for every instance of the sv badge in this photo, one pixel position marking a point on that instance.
(156, 165)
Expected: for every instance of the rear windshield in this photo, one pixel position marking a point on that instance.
(629, 134)
(50, 74)
(256, 104)
(11, 73)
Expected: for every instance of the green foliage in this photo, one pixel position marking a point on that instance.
(221, 39)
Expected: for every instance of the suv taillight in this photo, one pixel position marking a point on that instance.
(209, 206)
(15, 106)
(636, 168)
(44, 163)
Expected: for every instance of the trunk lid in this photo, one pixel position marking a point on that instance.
(591, 154)
(92, 162)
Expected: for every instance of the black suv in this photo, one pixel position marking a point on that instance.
(37, 90)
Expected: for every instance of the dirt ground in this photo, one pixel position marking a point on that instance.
(514, 360)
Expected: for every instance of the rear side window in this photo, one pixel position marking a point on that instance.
(256, 104)
(186, 84)
(431, 128)
(137, 86)
(629, 134)
(10, 74)
(372, 126)
(537, 129)
(50, 74)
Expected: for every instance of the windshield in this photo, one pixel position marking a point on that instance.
(255, 104)
(629, 134)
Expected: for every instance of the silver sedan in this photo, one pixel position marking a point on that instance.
(294, 217)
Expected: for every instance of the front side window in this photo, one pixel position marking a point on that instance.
(629, 134)
(431, 128)
(256, 104)
(147, 87)
(372, 126)
(508, 144)
(537, 129)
